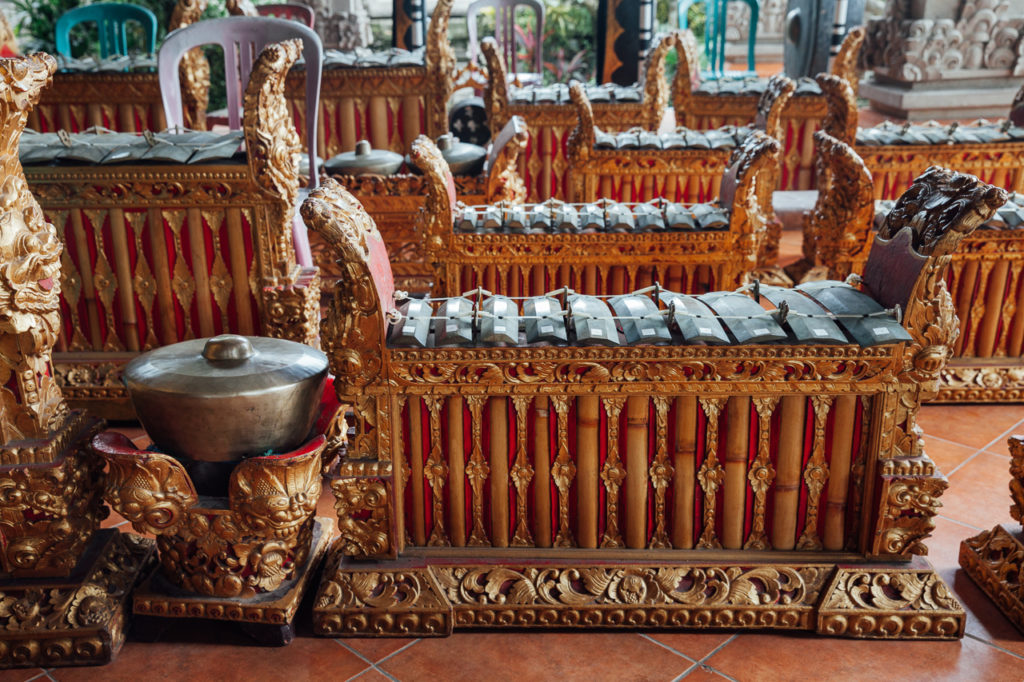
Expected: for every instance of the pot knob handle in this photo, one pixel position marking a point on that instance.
(228, 348)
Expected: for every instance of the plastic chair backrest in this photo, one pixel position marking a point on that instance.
(289, 10)
(504, 29)
(716, 12)
(111, 19)
(242, 39)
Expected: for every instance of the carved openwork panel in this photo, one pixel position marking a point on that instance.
(252, 545)
(134, 275)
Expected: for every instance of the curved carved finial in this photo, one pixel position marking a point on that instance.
(1016, 444)
(194, 69)
(241, 8)
(496, 91)
(772, 103)
(186, 13)
(272, 143)
(837, 230)
(687, 72)
(353, 330)
(940, 208)
(31, 404)
(654, 84)
(845, 63)
(152, 490)
(1017, 108)
(747, 188)
(438, 214)
(440, 64)
(504, 181)
(273, 497)
(583, 136)
(253, 547)
(842, 116)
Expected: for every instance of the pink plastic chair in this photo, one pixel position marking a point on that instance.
(288, 10)
(242, 39)
(505, 33)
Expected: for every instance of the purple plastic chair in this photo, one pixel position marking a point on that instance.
(242, 39)
(288, 10)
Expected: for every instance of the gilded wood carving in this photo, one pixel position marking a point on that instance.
(545, 166)
(389, 106)
(995, 558)
(602, 263)
(851, 408)
(146, 285)
(802, 116)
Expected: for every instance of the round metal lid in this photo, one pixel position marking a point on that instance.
(224, 365)
(462, 157)
(365, 160)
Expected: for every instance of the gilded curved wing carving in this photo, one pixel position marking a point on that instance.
(842, 116)
(151, 490)
(582, 137)
(772, 103)
(687, 72)
(440, 63)
(845, 64)
(655, 87)
(272, 144)
(273, 496)
(437, 215)
(496, 91)
(838, 229)
(352, 333)
(504, 181)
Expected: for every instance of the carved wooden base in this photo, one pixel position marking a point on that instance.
(78, 620)
(974, 380)
(158, 597)
(995, 561)
(430, 597)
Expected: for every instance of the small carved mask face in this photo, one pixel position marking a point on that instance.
(29, 262)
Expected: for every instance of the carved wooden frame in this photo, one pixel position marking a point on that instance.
(987, 362)
(551, 124)
(437, 587)
(800, 119)
(126, 102)
(994, 559)
(183, 199)
(729, 254)
(409, 95)
(395, 201)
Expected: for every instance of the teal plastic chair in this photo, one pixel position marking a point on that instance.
(714, 34)
(111, 19)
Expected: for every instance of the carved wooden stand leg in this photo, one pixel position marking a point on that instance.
(995, 558)
(268, 619)
(64, 594)
(429, 597)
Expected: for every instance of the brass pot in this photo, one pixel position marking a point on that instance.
(227, 397)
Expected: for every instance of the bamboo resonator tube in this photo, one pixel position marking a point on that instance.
(609, 471)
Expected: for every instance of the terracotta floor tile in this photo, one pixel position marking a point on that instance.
(946, 455)
(371, 675)
(374, 649)
(20, 674)
(214, 651)
(978, 492)
(696, 645)
(764, 658)
(531, 656)
(984, 620)
(113, 520)
(971, 425)
(704, 673)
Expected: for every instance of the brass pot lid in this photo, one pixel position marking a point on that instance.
(365, 160)
(223, 366)
(463, 158)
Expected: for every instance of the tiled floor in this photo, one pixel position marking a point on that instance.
(967, 442)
